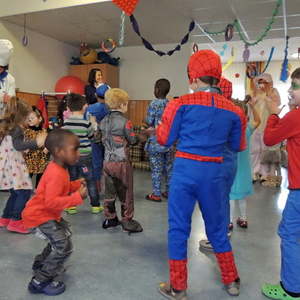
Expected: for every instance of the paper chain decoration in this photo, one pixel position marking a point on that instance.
(128, 6)
(236, 24)
(149, 46)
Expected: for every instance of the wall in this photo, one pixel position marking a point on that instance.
(140, 68)
(37, 66)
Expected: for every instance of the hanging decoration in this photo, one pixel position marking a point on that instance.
(128, 6)
(229, 31)
(122, 30)
(237, 75)
(246, 54)
(269, 60)
(25, 39)
(108, 45)
(149, 46)
(230, 61)
(262, 52)
(284, 68)
(236, 24)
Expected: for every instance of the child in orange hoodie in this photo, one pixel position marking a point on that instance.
(55, 193)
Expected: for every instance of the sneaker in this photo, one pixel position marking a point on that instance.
(205, 245)
(132, 226)
(17, 226)
(167, 291)
(111, 223)
(71, 210)
(4, 222)
(233, 289)
(242, 223)
(51, 288)
(153, 198)
(96, 209)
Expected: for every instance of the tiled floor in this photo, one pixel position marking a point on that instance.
(115, 266)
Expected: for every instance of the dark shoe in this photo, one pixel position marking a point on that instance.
(153, 198)
(132, 226)
(230, 226)
(242, 223)
(51, 288)
(166, 290)
(165, 195)
(111, 223)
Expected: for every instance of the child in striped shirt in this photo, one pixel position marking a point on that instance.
(83, 168)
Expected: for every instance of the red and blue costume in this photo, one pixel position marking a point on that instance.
(202, 124)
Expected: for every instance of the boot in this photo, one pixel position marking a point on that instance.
(131, 226)
(17, 226)
(111, 223)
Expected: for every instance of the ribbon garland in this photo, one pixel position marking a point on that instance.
(230, 61)
(236, 24)
(149, 46)
(269, 59)
(284, 69)
(122, 30)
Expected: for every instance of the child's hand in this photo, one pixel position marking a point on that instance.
(273, 107)
(40, 139)
(45, 151)
(83, 191)
(82, 180)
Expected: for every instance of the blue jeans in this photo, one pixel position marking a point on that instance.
(289, 232)
(16, 203)
(84, 169)
(97, 158)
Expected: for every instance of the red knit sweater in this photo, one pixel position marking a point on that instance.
(287, 128)
(54, 194)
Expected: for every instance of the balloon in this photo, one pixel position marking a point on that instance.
(69, 84)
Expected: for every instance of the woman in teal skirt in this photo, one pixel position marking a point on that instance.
(242, 186)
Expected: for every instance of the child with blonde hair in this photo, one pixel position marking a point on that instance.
(117, 134)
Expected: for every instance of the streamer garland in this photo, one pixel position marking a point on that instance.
(284, 69)
(122, 30)
(236, 24)
(149, 46)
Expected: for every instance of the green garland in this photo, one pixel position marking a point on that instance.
(237, 26)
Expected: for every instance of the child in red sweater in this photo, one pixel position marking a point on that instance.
(278, 130)
(55, 193)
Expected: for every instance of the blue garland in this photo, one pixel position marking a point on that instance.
(284, 69)
(149, 46)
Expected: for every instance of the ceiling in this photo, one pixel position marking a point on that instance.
(162, 21)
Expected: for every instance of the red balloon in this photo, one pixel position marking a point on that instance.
(237, 75)
(70, 84)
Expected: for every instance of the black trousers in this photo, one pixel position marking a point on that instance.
(50, 263)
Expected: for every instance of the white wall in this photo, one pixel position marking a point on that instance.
(140, 68)
(38, 66)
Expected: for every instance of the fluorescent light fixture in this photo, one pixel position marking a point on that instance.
(295, 55)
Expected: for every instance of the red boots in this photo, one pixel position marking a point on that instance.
(17, 226)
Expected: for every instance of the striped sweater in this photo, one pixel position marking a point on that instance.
(83, 129)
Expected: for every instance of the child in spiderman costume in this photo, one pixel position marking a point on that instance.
(202, 123)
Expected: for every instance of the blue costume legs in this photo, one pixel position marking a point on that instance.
(201, 182)
(289, 232)
(157, 166)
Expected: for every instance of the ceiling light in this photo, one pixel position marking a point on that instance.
(295, 55)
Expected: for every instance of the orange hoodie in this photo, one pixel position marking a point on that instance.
(55, 193)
